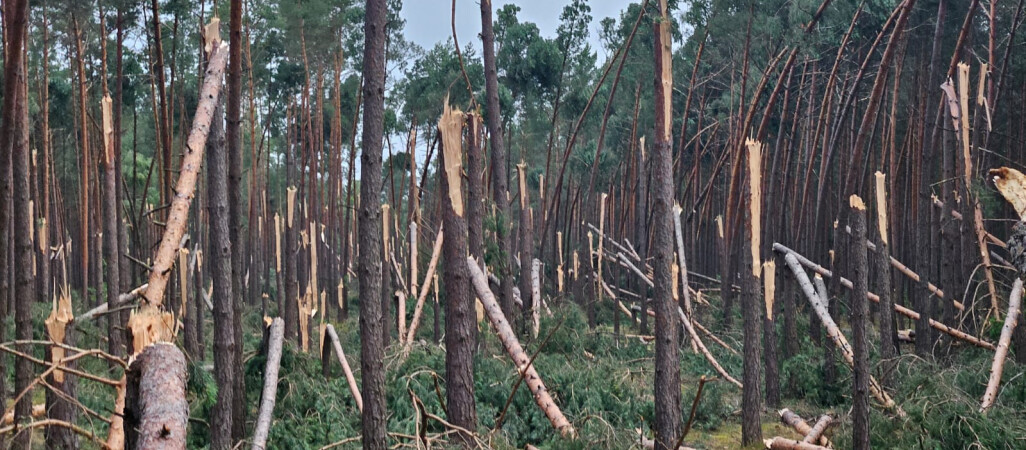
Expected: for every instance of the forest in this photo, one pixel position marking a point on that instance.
(704, 224)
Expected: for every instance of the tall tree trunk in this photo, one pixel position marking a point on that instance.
(235, 212)
(220, 270)
(21, 173)
(751, 430)
(498, 171)
(459, 307)
(667, 370)
(859, 311)
(86, 161)
(372, 346)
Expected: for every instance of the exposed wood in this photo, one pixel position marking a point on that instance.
(436, 252)
(1011, 320)
(779, 443)
(816, 433)
(517, 353)
(800, 425)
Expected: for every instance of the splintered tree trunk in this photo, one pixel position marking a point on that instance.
(475, 198)
(667, 370)
(859, 311)
(110, 228)
(498, 159)
(517, 353)
(769, 335)
(156, 410)
(220, 271)
(640, 221)
(1011, 320)
(751, 431)
(888, 336)
(459, 306)
(369, 271)
(526, 251)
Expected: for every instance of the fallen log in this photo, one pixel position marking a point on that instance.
(835, 334)
(345, 365)
(705, 351)
(998, 366)
(156, 411)
(516, 352)
(780, 443)
(818, 429)
(873, 297)
(800, 425)
(102, 309)
(270, 392)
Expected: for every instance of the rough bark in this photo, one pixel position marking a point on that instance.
(156, 410)
(220, 272)
(888, 330)
(459, 303)
(498, 159)
(859, 311)
(516, 352)
(372, 346)
(233, 134)
(751, 430)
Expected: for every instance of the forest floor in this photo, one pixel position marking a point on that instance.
(602, 384)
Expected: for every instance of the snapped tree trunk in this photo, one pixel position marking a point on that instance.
(859, 311)
(270, 391)
(156, 410)
(1011, 320)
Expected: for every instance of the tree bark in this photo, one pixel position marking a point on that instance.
(235, 212)
(888, 330)
(517, 353)
(859, 311)
(220, 272)
(459, 307)
(1011, 320)
(270, 392)
(500, 191)
(372, 346)
(751, 430)
(667, 370)
(156, 410)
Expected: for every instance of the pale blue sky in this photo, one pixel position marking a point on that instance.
(428, 21)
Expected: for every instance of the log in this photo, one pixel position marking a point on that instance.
(998, 366)
(436, 252)
(835, 334)
(780, 443)
(102, 309)
(800, 425)
(516, 352)
(156, 411)
(345, 364)
(705, 351)
(816, 433)
(873, 297)
(270, 392)
(186, 187)
(150, 324)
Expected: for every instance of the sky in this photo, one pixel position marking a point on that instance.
(429, 21)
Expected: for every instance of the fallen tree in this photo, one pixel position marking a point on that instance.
(516, 352)
(835, 334)
(1011, 320)
(270, 392)
(156, 411)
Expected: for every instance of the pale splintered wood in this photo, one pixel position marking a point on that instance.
(290, 204)
(998, 366)
(834, 332)
(755, 203)
(801, 426)
(769, 282)
(277, 243)
(516, 352)
(881, 205)
(681, 259)
(1011, 184)
(559, 268)
(780, 443)
(967, 165)
(56, 326)
(450, 125)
